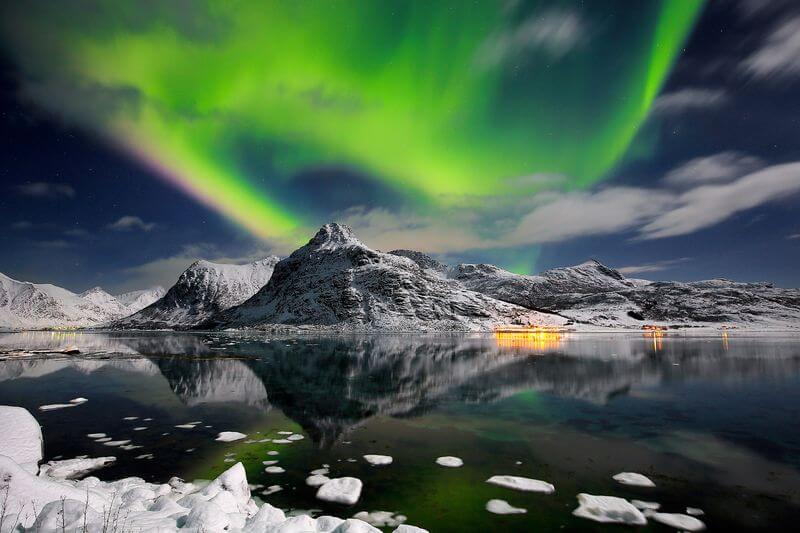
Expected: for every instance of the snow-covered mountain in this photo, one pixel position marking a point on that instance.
(593, 293)
(25, 305)
(138, 300)
(202, 290)
(335, 280)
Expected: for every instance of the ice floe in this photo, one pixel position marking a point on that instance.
(54, 406)
(274, 470)
(74, 468)
(677, 520)
(644, 505)
(694, 511)
(381, 518)
(378, 460)
(503, 507)
(449, 461)
(230, 436)
(317, 480)
(273, 452)
(522, 483)
(632, 478)
(341, 490)
(265, 463)
(272, 489)
(608, 509)
(295, 437)
(140, 428)
(96, 435)
(116, 442)
(281, 441)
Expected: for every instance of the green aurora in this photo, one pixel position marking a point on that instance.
(442, 103)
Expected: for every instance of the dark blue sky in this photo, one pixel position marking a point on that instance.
(78, 212)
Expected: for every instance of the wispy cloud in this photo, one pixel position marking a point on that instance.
(129, 222)
(720, 167)
(793, 236)
(689, 99)
(57, 244)
(656, 266)
(44, 189)
(779, 55)
(556, 32)
(22, 225)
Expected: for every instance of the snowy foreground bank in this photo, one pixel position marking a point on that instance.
(31, 500)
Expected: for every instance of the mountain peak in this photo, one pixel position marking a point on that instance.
(334, 234)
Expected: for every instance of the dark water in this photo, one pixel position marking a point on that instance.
(713, 421)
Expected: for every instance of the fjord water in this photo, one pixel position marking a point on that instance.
(711, 419)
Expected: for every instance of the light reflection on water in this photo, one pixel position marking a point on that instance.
(707, 418)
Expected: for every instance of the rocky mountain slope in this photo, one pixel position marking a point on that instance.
(337, 281)
(202, 290)
(25, 305)
(138, 300)
(595, 294)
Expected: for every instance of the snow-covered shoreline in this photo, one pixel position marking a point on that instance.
(37, 501)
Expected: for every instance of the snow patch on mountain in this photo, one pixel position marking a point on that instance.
(138, 300)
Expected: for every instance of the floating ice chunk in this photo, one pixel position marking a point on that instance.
(296, 436)
(129, 447)
(144, 456)
(694, 511)
(450, 461)
(230, 436)
(273, 452)
(378, 460)
(320, 472)
(608, 509)
(78, 401)
(266, 515)
(380, 518)
(503, 507)
(285, 432)
(129, 418)
(281, 441)
(317, 480)
(103, 439)
(140, 428)
(74, 468)
(184, 426)
(341, 490)
(678, 521)
(632, 478)
(96, 435)
(643, 505)
(272, 489)
(54, 406)
(274, 470)
(522, 483)
(351, 525)
(265, 440)
(24, 443)
(115, 442)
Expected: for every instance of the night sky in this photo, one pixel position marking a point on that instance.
(659, 137)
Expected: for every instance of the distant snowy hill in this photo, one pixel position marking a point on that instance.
(335, 280)
(593, 293)
(201, 291)
(138, 300)
(26, 305)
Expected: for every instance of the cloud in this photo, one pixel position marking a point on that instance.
(44, 189)
(129, 222)
(793, 236)
(77, 233)
(723, 166)
(22, 225)
(779, 55)
(656, 266)
(58, 244)
(689, 99)
(555, 32)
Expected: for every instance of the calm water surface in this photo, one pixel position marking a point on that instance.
(713, 421)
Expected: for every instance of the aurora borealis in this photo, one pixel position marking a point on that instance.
(442, 103)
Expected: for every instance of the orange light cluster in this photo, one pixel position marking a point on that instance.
(535, 338)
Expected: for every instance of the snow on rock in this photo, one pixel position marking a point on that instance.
(230, 436)
(678, 521)
(449, 461)
(503, 507)
(74, 468)
(522, 483)
(341, 490)
(201, 291)
(137, 300)
(21, 438)
(632, 478)
(336, 281)
(378, 460)
(608, 509)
